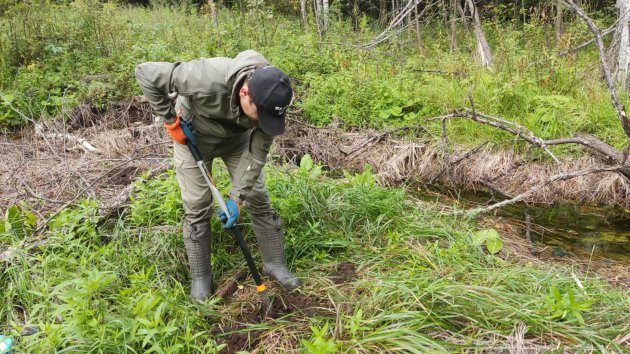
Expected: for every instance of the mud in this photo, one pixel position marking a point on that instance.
(294, 306)
(345, 273)
(236, 340)
(291, 307)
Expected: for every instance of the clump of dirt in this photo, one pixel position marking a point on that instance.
(345, 272)
(296, 306)
(122, 176)
(237, 339)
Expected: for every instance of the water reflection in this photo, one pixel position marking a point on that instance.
(568, 229)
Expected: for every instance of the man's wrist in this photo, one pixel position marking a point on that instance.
(170, 118)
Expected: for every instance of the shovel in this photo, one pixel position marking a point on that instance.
(261, 289)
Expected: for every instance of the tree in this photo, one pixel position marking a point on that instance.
(622, 36)
(485, 54)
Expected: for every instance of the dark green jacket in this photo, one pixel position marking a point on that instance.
(208, 94)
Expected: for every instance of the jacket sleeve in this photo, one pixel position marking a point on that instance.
(156, 80)
(250, 165)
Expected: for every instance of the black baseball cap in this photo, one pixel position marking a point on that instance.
(271, 92)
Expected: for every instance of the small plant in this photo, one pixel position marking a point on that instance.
(18, 222)
(566, 307)
(318, 343)
(490, 238)
(308, 169)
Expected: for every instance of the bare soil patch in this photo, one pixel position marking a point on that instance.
(241, 333)
(345, 272)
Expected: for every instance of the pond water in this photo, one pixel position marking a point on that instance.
(570, 230)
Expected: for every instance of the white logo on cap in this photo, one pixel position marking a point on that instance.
(281, 110)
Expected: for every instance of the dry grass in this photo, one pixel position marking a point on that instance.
(397, 160)
(47, 172)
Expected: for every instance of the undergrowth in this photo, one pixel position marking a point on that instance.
(422, 282)
(55, 55)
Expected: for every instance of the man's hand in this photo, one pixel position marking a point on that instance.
(180, 131)
(234, 209)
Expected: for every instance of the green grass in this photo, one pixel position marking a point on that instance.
(45, 61)
(422, 284)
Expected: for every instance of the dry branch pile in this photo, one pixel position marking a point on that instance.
(49, 165)
(397, 160)
(50, 170)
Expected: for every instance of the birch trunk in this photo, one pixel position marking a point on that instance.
(483, 48)
(303, 11)
(453, 26)
(559, 21)
(325, 13)
(623, 33)
(214, 13)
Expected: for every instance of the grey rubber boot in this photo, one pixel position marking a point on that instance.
(271, 245)
(197, 242)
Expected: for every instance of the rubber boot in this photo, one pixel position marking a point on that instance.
(197, 242)
(271, 245)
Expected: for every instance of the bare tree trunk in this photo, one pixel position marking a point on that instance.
(483, 48)
(453, 26)
(417, 20)
(559, 21)
(623, 34)
(317, 6)
(214, 13)
(462, 13)
(325, 13)
(303, 11)
(382, 12)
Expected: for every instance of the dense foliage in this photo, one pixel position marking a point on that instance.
(56, 54)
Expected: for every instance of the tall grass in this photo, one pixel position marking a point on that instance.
(422, 284)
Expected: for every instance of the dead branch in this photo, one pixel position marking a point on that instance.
(621, 113)
(388, 33)
(39, 130)
(605, 32)
(447, 157)
(230, 285)
(515, 129)
(115, 205)
(83, 191)
(28, 190)
(541, 185)
(376, 138)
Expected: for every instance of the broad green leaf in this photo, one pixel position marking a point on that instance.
(481, 236)
(396, 111)
(316, 172)
(306, 163)
(494, 245)
(13, 221)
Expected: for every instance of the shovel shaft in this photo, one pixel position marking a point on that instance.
(236, 231)
(207, 176)
(238, 235)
